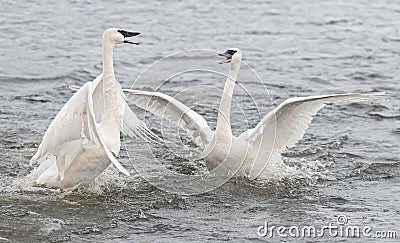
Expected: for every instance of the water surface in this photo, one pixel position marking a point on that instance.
(348, 158)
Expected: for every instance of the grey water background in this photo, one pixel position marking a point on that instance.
(348, 158)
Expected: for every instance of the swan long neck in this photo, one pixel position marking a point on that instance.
(224, 112)
(110, 86)
(108, 62)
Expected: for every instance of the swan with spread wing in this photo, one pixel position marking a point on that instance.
(84, 137)
(254, 150)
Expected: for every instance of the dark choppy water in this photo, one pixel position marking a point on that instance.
(349, 158)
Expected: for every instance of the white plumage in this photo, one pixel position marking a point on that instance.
(254, 150)
(84, 137)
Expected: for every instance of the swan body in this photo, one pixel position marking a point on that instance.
(256, 153)
(84, 137)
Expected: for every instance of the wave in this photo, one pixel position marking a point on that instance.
(74, 75)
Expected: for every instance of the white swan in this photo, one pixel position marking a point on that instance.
(84, 137)
(254, 150)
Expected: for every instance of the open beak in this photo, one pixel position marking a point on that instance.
(227, 59)
(127, 34)
(130, 42)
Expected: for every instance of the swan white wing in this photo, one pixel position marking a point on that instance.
(284, 126)
(74, 125)
(67, 133)
(66, 127)
(171, 109)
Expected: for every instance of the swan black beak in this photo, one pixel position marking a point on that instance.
(228, 54)
(129, 34)
(227, 59)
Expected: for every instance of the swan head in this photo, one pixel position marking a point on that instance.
(233, 55)
(116, 36)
